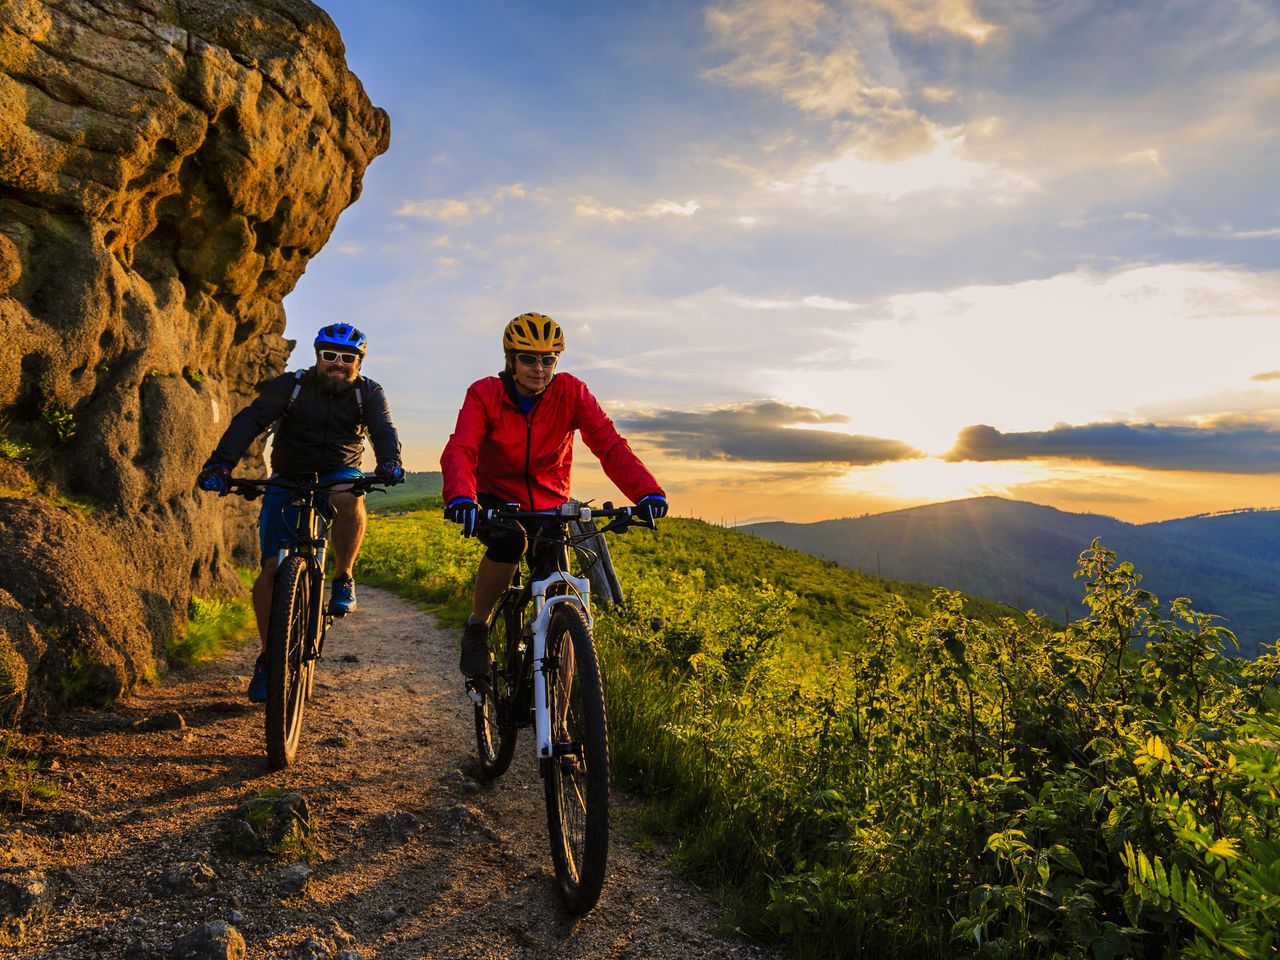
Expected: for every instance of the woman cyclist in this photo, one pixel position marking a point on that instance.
(513, 445)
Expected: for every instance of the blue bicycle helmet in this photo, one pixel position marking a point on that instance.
(342, 336)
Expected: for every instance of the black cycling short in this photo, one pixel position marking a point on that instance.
(507, 542)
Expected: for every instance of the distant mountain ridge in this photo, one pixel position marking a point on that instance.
(1024, 554)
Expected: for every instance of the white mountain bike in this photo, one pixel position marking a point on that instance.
(543, 672)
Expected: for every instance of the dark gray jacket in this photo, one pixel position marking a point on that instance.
(319, 433)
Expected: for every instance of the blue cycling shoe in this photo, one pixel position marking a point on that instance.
(342, 599)
(258, 685)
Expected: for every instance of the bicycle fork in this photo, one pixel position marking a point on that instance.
(579, 596)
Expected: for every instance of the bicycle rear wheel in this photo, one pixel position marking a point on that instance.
(577, 775)
(496, 722)
(286, 675)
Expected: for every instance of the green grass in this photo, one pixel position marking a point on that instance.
(418, 491)
(20, 779)
(214, 625)
(872, 769)
(423, 558)
(13, 447)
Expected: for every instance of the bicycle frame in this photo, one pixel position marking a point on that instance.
(313, 549)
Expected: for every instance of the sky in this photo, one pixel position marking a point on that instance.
(822, 258)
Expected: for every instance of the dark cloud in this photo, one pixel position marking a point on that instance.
(1269, 375)
(1228, 447)
(762, 431)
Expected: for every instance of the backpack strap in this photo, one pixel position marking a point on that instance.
(297, 389)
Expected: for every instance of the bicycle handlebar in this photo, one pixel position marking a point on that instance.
(619, 517)
(252, 489)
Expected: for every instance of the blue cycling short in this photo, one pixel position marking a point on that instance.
(278, 516)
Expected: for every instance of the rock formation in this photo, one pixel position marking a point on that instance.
(167, 169)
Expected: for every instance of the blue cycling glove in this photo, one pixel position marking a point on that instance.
(465, 511)
(653, 507)
(216, 478)
(389, 473)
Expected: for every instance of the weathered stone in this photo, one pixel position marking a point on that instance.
(70, 822)
(295, 878)
(190, 878)
(403, 824)
(168, 720)
(26, 896)
(238, 837)
(315, 948)
(276, 821)
(210, 941)
(167, 169)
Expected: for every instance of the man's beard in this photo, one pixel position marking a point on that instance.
(331, 386)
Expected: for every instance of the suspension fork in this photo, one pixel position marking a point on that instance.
(580, 597)
(316, 615)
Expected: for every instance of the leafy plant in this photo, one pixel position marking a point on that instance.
(13, 448)
(62, 421)
(20, 778)
(212, 625)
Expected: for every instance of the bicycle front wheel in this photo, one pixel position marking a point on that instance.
(286, 675)
(495, 716)
(577, 773)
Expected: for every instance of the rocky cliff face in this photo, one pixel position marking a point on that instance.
(167, 169)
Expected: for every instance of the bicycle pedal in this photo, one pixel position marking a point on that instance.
(478, 691)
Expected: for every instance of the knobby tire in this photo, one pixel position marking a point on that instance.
(286, 676)
(577, 776)
(496, 723)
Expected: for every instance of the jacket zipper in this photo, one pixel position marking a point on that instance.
(528, 452)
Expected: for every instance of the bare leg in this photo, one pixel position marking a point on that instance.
(491, 579)
(262, 597)
(349, 523)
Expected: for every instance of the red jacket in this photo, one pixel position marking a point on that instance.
(496, 449)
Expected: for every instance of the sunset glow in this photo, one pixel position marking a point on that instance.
(826, 258)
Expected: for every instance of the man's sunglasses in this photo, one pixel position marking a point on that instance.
(533, 359)
(335, 356)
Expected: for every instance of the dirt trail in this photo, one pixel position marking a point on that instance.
(389, 731)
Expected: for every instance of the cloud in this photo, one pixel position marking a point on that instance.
(1269, 375)
(805, 54)
(445, 210)
(761, 431)
(941, 168)
(457, 210)
(586, 206)
(1230, 446)
(812, 302)
(923, 17)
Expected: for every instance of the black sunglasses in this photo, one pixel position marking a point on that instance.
(335, 356)
(533, 359)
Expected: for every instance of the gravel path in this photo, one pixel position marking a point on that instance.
(389, 732)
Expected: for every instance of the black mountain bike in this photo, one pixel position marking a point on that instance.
(300, 617)
(544, 673)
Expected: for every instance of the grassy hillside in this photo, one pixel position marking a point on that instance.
(418, 487)
(868, 776)
(1024, 554)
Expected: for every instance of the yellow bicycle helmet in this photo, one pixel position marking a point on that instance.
(534, 332)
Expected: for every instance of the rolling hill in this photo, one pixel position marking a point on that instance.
(418, 486)
(1024, 554)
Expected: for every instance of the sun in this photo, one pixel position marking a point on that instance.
(933, 479)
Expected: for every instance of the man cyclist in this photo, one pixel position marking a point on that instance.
(513, 444)
(322, 416)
